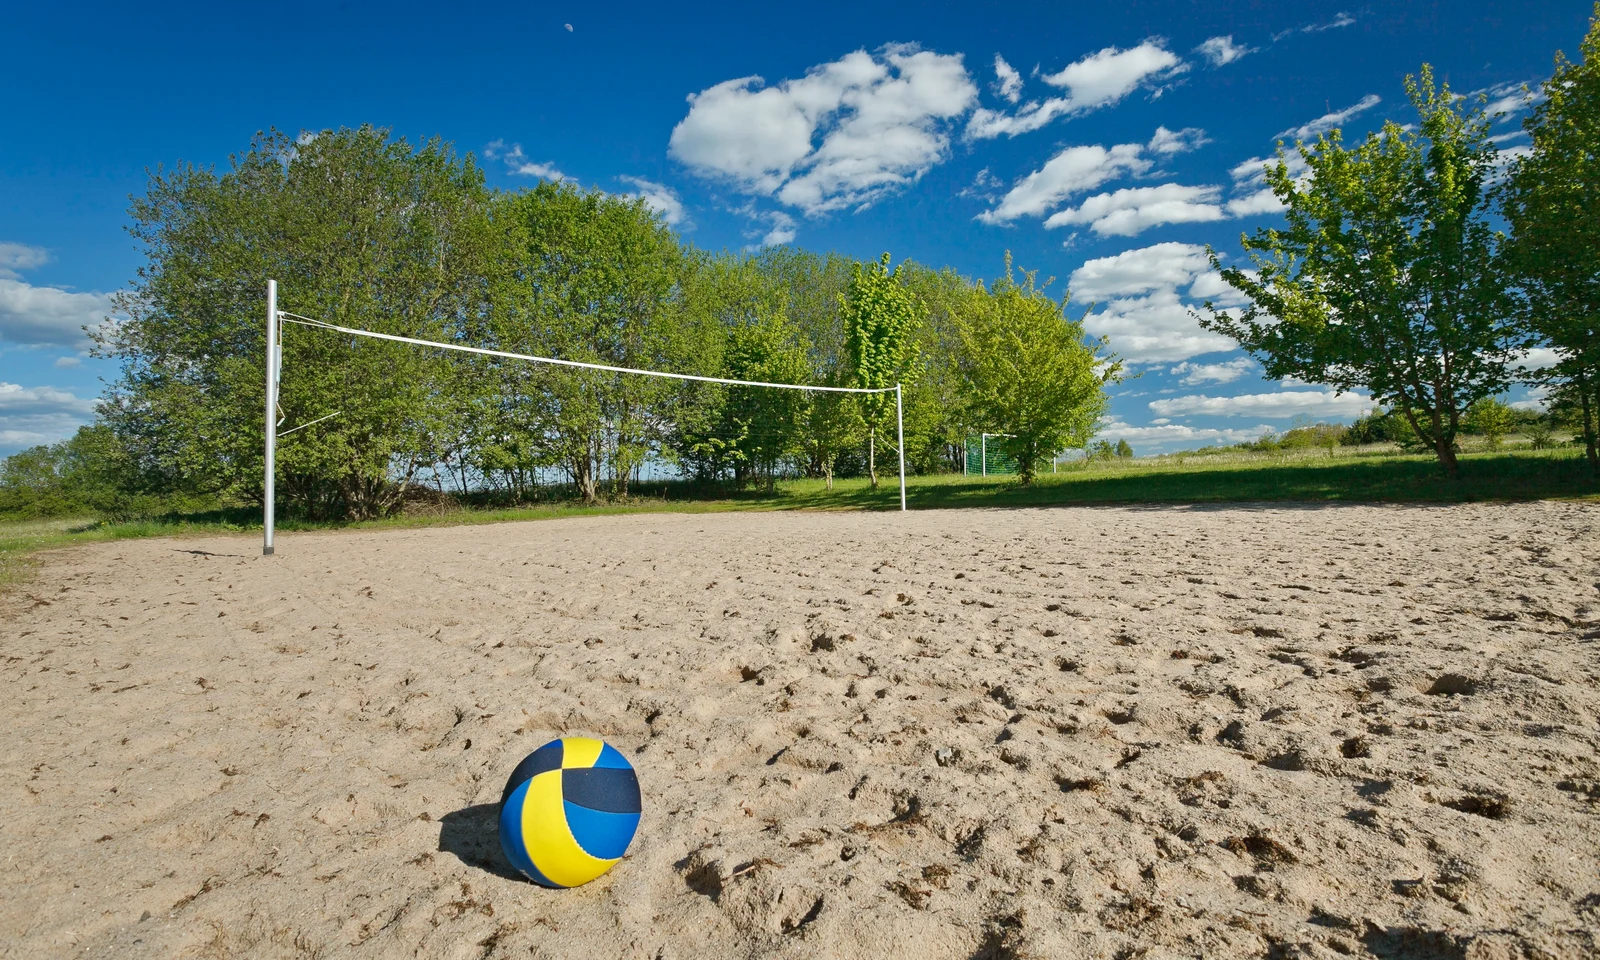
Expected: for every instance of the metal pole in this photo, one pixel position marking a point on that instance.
(269, 494)
(900, 427)
(983, 452)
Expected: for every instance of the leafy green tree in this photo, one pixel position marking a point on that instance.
(1491, 419)
(1552, 200)
(769, 422)
(1124, 451)
(594, 278)
(1386, 276)
(1030, 371)
(881, 319)
(361, 230)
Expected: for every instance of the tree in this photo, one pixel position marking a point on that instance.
(594, 278)
(361, 230)
(1386, 277)
(881, 318)
(1552, 200)
(1029, 371)
(1491, 418)
(1124, 451)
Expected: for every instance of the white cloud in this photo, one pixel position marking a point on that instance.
(1509, 99)
(1328, 121)
(1153, 328)
(1253, 172)
(1140, 271)
(1140, 308)
(49, 316)
(775, 227)
(17, 257)
(1166, 434)
(1252, 204)
(34, 415)
(1540, 358)
(518, 164)
(1222, 50)
(1132, 210)
(64, 363)
(1225, 372)
(1177, 141)
(843, 135)
(1340, 19)
(1098, 80)
(1073, 170)
(1537, 400)
(1323, 404)
(659, 198)
(1008, 84)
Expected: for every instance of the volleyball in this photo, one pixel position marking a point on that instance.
(569, 812)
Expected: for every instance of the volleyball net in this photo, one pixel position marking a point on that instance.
(276, 319)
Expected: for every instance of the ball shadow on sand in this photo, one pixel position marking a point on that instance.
(472, 835)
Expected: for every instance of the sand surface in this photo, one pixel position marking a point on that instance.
(1170, 732)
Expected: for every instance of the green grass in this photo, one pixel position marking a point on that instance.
(1306, 476)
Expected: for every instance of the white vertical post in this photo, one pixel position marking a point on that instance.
(269, 494)
(983, 452)
(900, 428)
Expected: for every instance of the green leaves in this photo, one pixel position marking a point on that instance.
(1388, 276)
(1552, 200)
(881, 319)
(1029, 371)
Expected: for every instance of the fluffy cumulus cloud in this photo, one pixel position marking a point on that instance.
(1168, 142)
(34, 415)
(1284, 405)
(1008, 82)
(841, 136)
(1132, 210)
(1098, 80)
(1251, 195)
(44, 316)
(1227, 371)
(1220, 51)
(1328, 121)
(1072, 171)
(1139, 306)
(660, 198)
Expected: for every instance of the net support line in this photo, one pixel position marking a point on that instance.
(276, 318)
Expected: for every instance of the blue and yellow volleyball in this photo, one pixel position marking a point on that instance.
(569, 812)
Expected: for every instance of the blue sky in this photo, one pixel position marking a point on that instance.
(1103, 144)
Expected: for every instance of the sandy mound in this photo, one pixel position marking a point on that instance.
(1166, 732)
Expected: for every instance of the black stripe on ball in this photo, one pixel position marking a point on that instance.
(602, 788)
(542, 760)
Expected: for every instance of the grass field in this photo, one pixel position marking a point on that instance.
(1364, 475)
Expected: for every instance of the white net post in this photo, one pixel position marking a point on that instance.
(900, 430)
(269, 491)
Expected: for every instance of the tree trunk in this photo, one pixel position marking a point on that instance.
(1590, 440)
(872, 456)
(1446, 451)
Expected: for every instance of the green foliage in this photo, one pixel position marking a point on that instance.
(1387, 276)
(89, 473)
(1124, 451)
(1029, 371)
(363, 230)
(881, 320)
(1552, 200)
(1491, 419)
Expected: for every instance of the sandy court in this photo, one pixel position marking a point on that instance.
(1095, 732)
